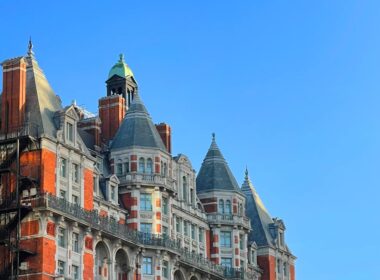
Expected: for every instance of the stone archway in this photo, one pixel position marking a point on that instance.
(178, 275)
(193, 278)
(121, 265)
(102, 260)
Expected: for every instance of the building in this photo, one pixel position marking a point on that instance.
(86, 196)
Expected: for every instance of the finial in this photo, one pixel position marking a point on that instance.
(30, 47)
(213, 136)
(121, 57)
(246, 172)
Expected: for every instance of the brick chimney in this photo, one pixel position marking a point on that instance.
(14, 94)
(166, 135)
(93, 127)
(111, 113)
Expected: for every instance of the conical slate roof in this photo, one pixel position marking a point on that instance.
(215, 173)
(137, 129)
(258, 214)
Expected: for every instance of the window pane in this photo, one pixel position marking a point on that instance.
(146, 202)
(63, 167)
(147, 265)
(225, 239)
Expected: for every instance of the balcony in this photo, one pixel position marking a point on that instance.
(158, 180)
(228, 219)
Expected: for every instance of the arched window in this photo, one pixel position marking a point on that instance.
(184, 188)
(228, 207)
(149, 166)
(142, 165)
(162, 168)
(221, 206)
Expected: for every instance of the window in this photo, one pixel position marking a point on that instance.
(142, 165)
(278, 266)
(192, 231)
(113, 193)
(228, 207)
(162, 168)
(147, 265)
(149, 166)
(185, 228)
(146, 227)
(62, 194)
(165, 231)
(165, 205)
(61, 237)
(226, 262)
(61, 267)
(126, 167)
(165, 169)
(285, 269)
(75, 242)
(75, 199)
(75, 272)
(75, 173)
(192, 196)
(184, 188)
(165, 269)
(70, 132)
(241, 264)
(221, 206)
(281, 238)
(240, 209)
(63, 170)
(225, 239)
(146, 202)
(178, 225)
(241, 243)
(119, 169)
(200, 235)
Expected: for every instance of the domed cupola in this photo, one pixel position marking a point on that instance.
(120, 69)
(121, 81)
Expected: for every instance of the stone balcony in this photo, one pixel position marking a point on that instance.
(155, 180)
(228, 219)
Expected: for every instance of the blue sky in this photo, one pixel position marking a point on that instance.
(291, 89)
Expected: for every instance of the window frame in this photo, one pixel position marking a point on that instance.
(147, 266)
(224, 237)
(145, 203)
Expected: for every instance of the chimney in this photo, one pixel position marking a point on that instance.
(14, 94)
(166, 135)
(111, 113)
(93, 127)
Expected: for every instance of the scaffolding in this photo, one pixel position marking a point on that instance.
(17, 181)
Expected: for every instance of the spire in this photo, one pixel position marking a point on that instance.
(137, 129)
(30, 48)
(215, 173)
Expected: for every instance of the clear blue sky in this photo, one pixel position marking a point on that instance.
(291, 89)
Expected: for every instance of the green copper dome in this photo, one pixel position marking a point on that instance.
(121, 69)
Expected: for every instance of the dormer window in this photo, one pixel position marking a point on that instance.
(126, 166)
(281, 238)
(119, 169)
(70, 132)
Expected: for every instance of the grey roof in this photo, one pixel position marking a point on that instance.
(215, 173)
(41, 101)
(137, 129)
(258, 214)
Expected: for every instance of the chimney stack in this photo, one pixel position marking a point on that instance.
(166, 135)
(14, 94)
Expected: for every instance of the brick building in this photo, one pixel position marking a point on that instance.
(86, 196)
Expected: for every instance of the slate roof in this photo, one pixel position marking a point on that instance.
(137, 129)
(258, 214)
(215, 173)
(41, 101)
